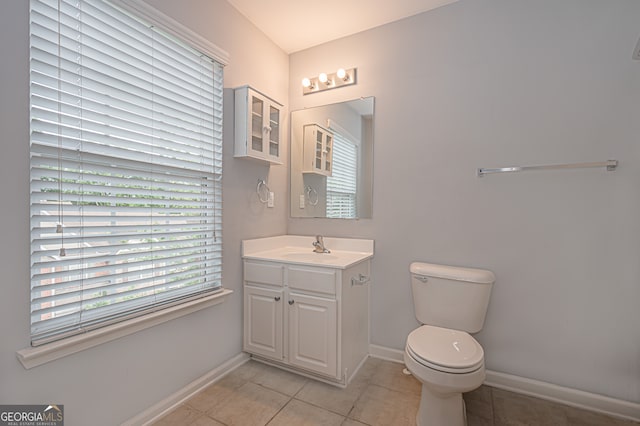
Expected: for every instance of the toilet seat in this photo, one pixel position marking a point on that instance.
(446, 350)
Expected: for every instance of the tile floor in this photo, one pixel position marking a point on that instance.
(256, 395)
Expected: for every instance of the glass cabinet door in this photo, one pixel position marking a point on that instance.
(328, 154)
(257, 134)
(274, 131)
(319, 150)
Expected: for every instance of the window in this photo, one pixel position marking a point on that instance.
(126, 168)
(342, 184)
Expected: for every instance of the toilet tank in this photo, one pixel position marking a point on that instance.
(449, 296)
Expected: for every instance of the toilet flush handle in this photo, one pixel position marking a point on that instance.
(422, 278)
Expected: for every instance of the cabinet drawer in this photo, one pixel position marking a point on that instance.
(263, 273)
(318, 280)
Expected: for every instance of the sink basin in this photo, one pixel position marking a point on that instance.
(297, 249)
(311, 256)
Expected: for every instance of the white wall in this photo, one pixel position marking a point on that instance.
(113, 382)
(498, 83)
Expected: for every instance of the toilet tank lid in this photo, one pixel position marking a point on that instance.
(456, 273)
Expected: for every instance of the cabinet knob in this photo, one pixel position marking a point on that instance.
(277, 298)
(291, 302)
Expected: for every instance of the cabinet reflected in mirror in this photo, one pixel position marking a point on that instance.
(332, 160)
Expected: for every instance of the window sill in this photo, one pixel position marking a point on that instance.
(34, 356)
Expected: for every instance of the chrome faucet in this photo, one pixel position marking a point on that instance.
(319, 245)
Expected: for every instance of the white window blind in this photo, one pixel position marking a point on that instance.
(126, 167)
(342, 184)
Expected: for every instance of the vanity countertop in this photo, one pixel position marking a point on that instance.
(297, 249)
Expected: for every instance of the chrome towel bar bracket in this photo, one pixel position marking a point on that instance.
(360, 280)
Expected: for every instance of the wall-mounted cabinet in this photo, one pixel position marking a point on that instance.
(318, 150)
(258, 126)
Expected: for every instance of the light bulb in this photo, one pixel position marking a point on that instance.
(306, 82)
(323, 77)
(341, 74)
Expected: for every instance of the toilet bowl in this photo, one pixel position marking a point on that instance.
(447, 363)
(450, 302)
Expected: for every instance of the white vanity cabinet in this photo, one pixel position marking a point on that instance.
(310, 319)
(317, 150)
(258, 126)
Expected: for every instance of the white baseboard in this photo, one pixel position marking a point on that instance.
(386, 353)
(563, 395)
(573, 397)
(154, 412)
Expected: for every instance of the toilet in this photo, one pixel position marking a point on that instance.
(450, 303)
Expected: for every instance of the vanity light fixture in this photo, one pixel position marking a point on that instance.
(324, 81)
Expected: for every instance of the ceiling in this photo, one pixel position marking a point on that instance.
(299, 24)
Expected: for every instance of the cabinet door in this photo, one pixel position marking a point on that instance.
(328, 154)
(313, 333)
(319, 150)
(273, 127)
(263, 322)
(258, 128)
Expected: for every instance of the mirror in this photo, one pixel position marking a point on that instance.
(332, 160)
